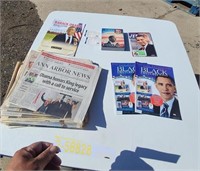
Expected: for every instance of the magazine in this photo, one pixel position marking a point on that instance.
(63, 38)
(142, 45)
(57, 87)
(112, 39)
(123, 75)
(156, 92)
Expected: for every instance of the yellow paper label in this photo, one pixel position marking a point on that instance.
(71, 145)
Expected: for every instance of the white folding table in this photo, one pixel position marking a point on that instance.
(111, 141)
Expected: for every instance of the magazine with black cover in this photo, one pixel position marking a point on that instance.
(58, 88)
(112, 39)
(156, 92)
(141, 44)
(62, 37)
(123, 75)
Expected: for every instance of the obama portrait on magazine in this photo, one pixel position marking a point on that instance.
(167, 90)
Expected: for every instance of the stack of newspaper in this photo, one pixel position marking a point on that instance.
(50, 90)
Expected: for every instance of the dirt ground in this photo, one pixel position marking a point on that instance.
(18, 32)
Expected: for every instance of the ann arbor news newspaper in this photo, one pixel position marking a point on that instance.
(50, 90)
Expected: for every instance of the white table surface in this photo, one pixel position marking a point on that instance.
(125, 141)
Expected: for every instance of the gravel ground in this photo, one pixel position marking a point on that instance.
(20, 24)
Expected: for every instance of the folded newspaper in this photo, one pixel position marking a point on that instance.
(50, 90)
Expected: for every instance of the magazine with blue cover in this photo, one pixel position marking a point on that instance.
(156, 92)
(123, 75)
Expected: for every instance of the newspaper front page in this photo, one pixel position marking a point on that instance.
(61, 88)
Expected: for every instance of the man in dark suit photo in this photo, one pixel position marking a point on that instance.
(112, 42)
(143, 41)
(170, 107)
(68, 37)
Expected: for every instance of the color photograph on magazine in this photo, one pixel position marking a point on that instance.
(112, 39)
(142, 45)
(62, 37)
(123, 75)
(156, 92)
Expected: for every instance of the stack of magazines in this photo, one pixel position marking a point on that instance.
(143, 88)
(50, 90)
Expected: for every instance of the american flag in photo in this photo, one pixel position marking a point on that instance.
(78, 33)
(35, 100)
